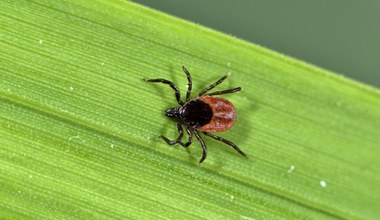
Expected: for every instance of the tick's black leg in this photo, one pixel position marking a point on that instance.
(178, 140)
(226, 142)
(190, 140)
(208, 88)
(189, 83)
(225, 91)
(204, 148)
(171, 84)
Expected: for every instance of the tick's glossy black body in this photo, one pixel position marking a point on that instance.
(199, 114)
(194, 113)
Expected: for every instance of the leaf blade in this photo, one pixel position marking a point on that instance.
(85, 124)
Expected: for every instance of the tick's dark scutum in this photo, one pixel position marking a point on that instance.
(197, 113)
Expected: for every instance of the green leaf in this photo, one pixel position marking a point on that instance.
(80, 128)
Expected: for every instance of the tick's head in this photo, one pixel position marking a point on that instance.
(172, 112)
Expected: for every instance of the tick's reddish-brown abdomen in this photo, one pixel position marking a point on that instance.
(224, 114)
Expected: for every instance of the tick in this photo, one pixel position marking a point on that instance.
(203, 114)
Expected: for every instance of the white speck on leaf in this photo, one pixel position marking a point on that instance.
(323, 183)
(40, 41)
(291, 168)
(71, 88)
(76, 137)
(246, 217)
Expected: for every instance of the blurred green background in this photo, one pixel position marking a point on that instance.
(342, 36)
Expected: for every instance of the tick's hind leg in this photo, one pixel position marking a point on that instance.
(228, 91)
(208, 88)
(226, 142)
(204, 148)
(172, 85)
